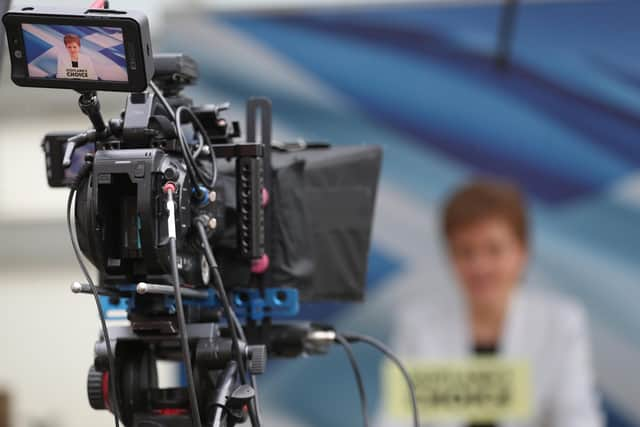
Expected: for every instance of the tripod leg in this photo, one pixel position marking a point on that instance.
(224, 389)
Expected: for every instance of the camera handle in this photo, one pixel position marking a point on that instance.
(90, 106)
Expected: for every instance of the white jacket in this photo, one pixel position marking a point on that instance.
(84, 71)
(545, 329)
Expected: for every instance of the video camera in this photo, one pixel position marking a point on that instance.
(206, 241)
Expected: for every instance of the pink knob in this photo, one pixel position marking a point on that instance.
(169, 186)
(260, 265)
(265, 197)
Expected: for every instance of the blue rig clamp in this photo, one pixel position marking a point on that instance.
(248, 304)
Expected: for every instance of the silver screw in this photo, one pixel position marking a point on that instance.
(142, 288)
(76, 287)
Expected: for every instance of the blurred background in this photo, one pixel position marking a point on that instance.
(546, 93)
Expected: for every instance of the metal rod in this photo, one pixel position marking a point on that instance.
(152, 288)
(84, 288)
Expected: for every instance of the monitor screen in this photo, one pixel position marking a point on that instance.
(75, 52)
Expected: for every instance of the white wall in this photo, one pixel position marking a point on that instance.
(47, 334)
(47, 347)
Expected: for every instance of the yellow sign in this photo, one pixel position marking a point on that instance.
(481, 389)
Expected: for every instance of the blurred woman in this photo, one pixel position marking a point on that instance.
(73, 64)
(486, 233)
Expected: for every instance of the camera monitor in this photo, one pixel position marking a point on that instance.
(4, 5)
(92, 50)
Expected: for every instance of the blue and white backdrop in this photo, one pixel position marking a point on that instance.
(563, 121)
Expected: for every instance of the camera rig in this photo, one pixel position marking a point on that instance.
(125, 230)
(125, 221)
(203, 243)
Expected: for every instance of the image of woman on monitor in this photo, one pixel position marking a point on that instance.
(75, 65)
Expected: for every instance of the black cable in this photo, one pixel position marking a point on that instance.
(162, 99)
(113, 380)
(235, 328)
(195, 174)
(217, 418)
(252, 378)
(199, 147)
(224, 384)
(234, 334)
(184, 148)
(356, 372)
(391, 356)
(203, 132)
(226, 305)
(182, 324)
(255, 411)
(254, 405)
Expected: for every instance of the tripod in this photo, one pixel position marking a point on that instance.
(223, 401)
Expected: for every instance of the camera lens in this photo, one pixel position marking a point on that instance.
(18, 54)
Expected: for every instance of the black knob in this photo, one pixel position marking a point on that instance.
(257, 359)
(170, 174)
(95, 389)
(241, 396)
(238, 403)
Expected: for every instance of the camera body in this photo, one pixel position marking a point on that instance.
(122, 223)
(120, 216)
